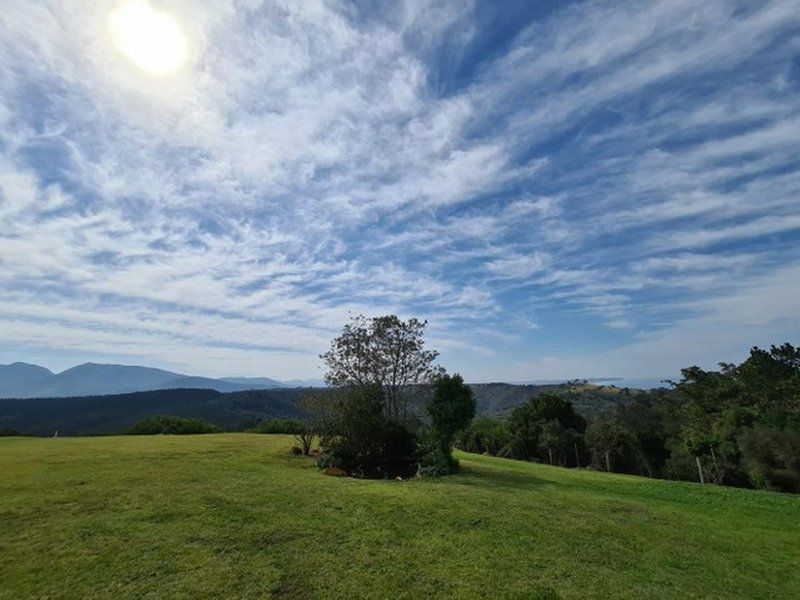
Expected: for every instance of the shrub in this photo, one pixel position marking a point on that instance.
(170, 425)
(359, 438)
(284, 426)
(436, 463)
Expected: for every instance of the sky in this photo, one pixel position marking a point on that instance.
(562, 189)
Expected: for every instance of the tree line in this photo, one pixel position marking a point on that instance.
(739, 425)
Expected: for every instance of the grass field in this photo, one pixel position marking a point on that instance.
(234, 515)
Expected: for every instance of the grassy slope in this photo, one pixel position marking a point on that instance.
(234, 515)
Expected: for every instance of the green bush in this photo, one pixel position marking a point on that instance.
(436, 463)
(360, 439)
(171, 425)
(285, 426)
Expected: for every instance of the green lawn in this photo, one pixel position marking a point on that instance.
(233, 515)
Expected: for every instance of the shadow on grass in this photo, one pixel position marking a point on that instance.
(491, 476)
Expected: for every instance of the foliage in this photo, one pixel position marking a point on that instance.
(737, 426)
(231, 516)
(435, 462)
(758, 399)
(358, 437)
(367, 424)
(170, 425)
(450, 410)
(771, 458)
(385, 352)
(558, 441)
(485, 436)
(553, 415)
(610, 443)
(280, 426)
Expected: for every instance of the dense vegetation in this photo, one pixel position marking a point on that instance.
(736, 426)
(171, 425)
(235, 516)
(280, 426)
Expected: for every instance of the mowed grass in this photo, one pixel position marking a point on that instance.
(233, 515)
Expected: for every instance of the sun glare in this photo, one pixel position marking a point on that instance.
(150, 38)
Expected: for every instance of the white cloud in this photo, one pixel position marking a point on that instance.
(305, 164)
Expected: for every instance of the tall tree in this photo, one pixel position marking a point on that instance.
(382, 351)
(451, 409)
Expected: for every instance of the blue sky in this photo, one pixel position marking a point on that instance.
(562, 189)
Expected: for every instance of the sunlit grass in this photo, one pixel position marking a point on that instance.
(234, 515)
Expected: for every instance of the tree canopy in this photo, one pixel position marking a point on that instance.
(384, 351)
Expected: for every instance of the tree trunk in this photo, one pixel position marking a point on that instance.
(699, 469)
(608, 461)
(550, 452)
(577, 457)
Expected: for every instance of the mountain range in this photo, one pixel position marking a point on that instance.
(23, 380)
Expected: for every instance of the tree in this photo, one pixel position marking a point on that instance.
(553, 437)
(451, 409)
(385, 352)
(486, 436)
(650, 417)
(720, 407)
(526, 422)
(609, 440)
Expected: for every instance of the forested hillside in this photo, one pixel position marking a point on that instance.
(241, 410)
(117, 413)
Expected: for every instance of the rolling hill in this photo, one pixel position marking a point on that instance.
(233, 515)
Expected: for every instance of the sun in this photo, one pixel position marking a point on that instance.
(150, 38)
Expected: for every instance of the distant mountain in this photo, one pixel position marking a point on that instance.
(19, 377)
(305, 383)
(21, 380)
(264, 382)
